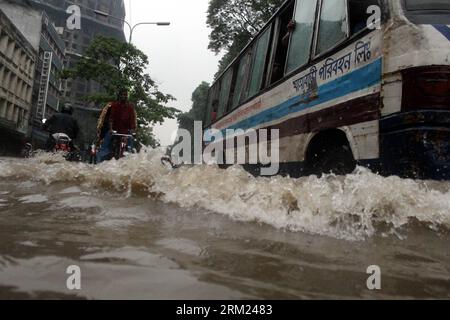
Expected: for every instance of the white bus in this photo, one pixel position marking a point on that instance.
(346, 89)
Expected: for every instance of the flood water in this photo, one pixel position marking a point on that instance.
(139, 230)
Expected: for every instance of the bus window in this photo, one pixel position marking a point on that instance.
(435, 12)
(358, 14)
(215, 109)
(235, 68)
(332, 26)
(259, 63)
(279, 61)
(240, 89)
(211, 110)
(207, 117)
(299, 49)
(427, 5)
(225, 92)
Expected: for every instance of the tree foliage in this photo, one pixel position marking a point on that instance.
(198, 110)
(117, 65)
(235, 22)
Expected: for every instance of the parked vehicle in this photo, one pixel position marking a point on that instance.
(62, 143)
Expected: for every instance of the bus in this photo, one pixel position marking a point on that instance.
(358, 83)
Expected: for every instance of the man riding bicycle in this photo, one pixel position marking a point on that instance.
(118, 117)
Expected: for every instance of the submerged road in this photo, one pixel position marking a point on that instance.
(138, 230)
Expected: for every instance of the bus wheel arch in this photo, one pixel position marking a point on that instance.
(329, 151)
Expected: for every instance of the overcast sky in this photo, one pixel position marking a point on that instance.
(179, 55)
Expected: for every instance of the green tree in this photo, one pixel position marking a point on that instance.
(234, 23)
(116, 65)
(198, 110)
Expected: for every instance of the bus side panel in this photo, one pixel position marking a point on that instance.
(340, 91)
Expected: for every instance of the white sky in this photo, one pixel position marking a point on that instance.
(178, 54)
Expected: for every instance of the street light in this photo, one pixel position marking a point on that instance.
(107, 15)
(70, 53)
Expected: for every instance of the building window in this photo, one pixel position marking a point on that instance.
(2, 108)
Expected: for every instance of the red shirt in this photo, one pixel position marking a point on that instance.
(123, 117)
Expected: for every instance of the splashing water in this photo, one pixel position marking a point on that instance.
(354, 207)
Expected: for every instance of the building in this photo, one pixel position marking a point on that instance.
(17, 73)
(44, 25)
(40, 31)
(77, 41)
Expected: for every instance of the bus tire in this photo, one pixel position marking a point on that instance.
(336, 158)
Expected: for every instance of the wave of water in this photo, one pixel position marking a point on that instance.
(354, 207)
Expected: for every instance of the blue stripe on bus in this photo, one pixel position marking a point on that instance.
(357, 80)
(444, 30)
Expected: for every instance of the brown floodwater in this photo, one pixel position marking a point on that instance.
(138, 230)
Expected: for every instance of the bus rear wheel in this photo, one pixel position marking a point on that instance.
(330, 155)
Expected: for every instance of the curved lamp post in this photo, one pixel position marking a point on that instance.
(107, 15)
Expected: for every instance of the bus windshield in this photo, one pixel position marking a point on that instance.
(413, 5)
(428, 11)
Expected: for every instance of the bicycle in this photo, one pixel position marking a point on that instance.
(120, 144)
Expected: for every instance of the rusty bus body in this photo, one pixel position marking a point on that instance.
(354, 89)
